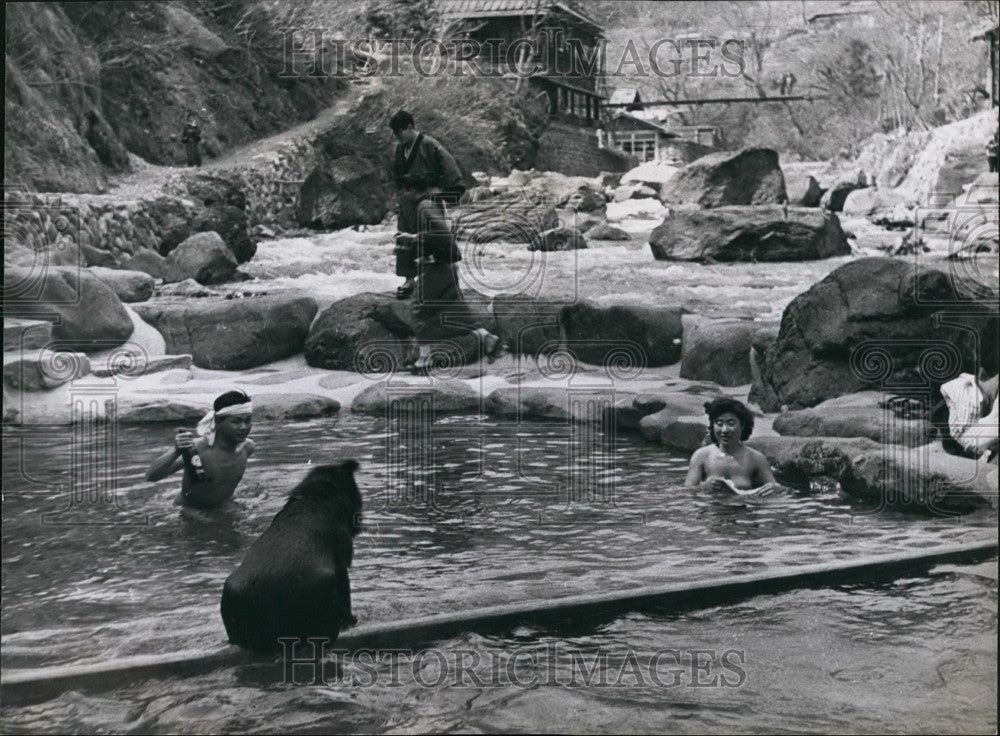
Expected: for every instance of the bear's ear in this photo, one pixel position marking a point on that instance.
(350, 465)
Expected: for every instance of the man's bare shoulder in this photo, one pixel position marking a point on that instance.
(249, 447)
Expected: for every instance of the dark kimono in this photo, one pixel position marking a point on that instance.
(425, 180)
(191, 138)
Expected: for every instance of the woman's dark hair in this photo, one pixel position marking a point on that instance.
(723, 405)
(230, 398)
(401, 121)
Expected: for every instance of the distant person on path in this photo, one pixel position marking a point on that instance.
(727, 465)
(191, 138)
(787, 83)
(991, 150)
(215, 457)
(427, 178)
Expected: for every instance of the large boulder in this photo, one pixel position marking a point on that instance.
(948, 158)
(553, 402)
(130, 286)
(90, 314)
(371, 333)
(833, 198)
(528, 326)
(604, 231)
(652, 173)
(141, 409)
(797, 459)
(863, 414)
(802, 188)
(750, 176)
(220, 206)
(718, 350)
(869, 201)
(878, 322)
(147, 261)
(764, 337)
(133, 365)
(368, 333)
(41, 370)
(439, 396)
(26, 334)
(203, 257)
(510, 218)
(339, 193)
(555, 187)
(293, 406)
(624, 338)
(560, 238)
(922, 479)
(233, 334)
(231, 224)
(173, 220)
(678, 407)
(748, 234)
(587, 198)
(188, 288)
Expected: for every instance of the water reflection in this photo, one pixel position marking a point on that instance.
(502, 512)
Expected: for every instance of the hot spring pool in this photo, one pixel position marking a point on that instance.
(485, 513)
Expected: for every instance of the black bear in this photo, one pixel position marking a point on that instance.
(293, 581)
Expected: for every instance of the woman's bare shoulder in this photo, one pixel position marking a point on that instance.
(702, 452)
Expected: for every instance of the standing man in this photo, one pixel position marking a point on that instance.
(191, 138)
(426, 178)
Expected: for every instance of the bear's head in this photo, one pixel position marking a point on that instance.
(334, 486)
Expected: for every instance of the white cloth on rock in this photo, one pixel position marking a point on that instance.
(964, 400)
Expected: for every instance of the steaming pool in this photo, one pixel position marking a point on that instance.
(495, 513)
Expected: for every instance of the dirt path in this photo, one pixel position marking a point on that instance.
(148, 179)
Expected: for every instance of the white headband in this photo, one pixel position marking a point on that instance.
(206, 427)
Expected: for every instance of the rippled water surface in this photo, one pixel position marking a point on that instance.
(485, 513)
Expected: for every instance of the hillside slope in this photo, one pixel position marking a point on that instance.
(89, 83)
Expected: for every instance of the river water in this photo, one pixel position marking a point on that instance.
(497, 513)
(474, 511)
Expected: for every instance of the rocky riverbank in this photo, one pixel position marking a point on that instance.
(623, 300)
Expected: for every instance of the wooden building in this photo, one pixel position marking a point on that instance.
(990, 35)
(567, 42)
(644, 139)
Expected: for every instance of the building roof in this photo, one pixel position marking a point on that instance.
(986, 31)
(512, 8)
(625, 96)
(845, 10)
(648, 123)
(561, 82)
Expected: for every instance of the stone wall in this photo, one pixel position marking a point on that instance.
(573, 150)
(93, 230)
(271, 182)
(107, 229)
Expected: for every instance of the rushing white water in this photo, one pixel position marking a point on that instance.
(332, 266)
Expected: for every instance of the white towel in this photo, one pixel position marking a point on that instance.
(964, 399)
